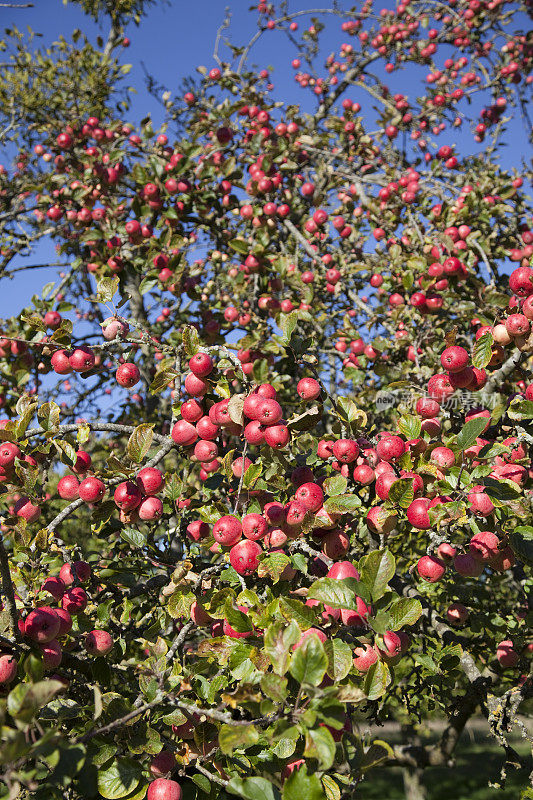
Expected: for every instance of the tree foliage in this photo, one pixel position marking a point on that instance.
(265, 461)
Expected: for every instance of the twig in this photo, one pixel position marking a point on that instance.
(180, 638)
(490, 270)
(241, 479)
(8, 591)
(503, 372)
(210, 775)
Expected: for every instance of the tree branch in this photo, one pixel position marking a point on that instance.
(8, 591)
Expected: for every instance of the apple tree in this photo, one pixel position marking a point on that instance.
(265, 455)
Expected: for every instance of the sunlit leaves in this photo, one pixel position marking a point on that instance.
(309, 661)
(140, 442)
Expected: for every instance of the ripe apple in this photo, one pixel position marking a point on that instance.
(67, 487)
(127, 495)
(163, 788)
(8, 669)
(308, 388)
(128, 375)
(74, 600)
(457, 614)
(227, 530)
(52, 654)
(506, 654)
(163, 763)
(42, 625)
(364, 657)
(150, 480)
(430, 568)
(91, 490)
(244, 556)
(98, 643)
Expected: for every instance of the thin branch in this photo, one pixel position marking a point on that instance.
(8, 591)
(492, 274)
(210, 775)
(112, 427)
(241, 479)
(503, 372)
(180, 638)
(117, 723)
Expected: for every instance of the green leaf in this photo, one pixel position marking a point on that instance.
(274, 687)
(405, 611)
(202, 782)
(333, 592)
(48, 415)
(279, 639)
(119, 779)
(140, 442)
(342, 503)
(284, 748)
(83, 433)
(309, 662)
(179, 604)
(401, 492)
(526, 531)
(106, 289)
(347, 411)
(501, 491)
(253, 789)
(34, 321)
(237, 737)
(67, 762)
(331, 788)
(173, 487)
(410, 426)
(252, 474)
(377, 569)
(381, 622)
(427, 662)
(470, 432)
(103, 511)
(339, 655)
(407, 279)
(377, 753)
(273, 565)
(25, 700)
(191, 340)
(521, 541)
(520, 409)
(376, 680)
(47, 288)
(239, 245)
(287, 323)
(483, 350)
(133, 537)
(26, 415)
(296, 610)
(335, 485)
(162, 379)
(301, 786)
(319, 744)
(98, 706)
(238, 620)
(350, 693)
(66, 451)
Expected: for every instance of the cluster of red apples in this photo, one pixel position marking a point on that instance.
(46, 628)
